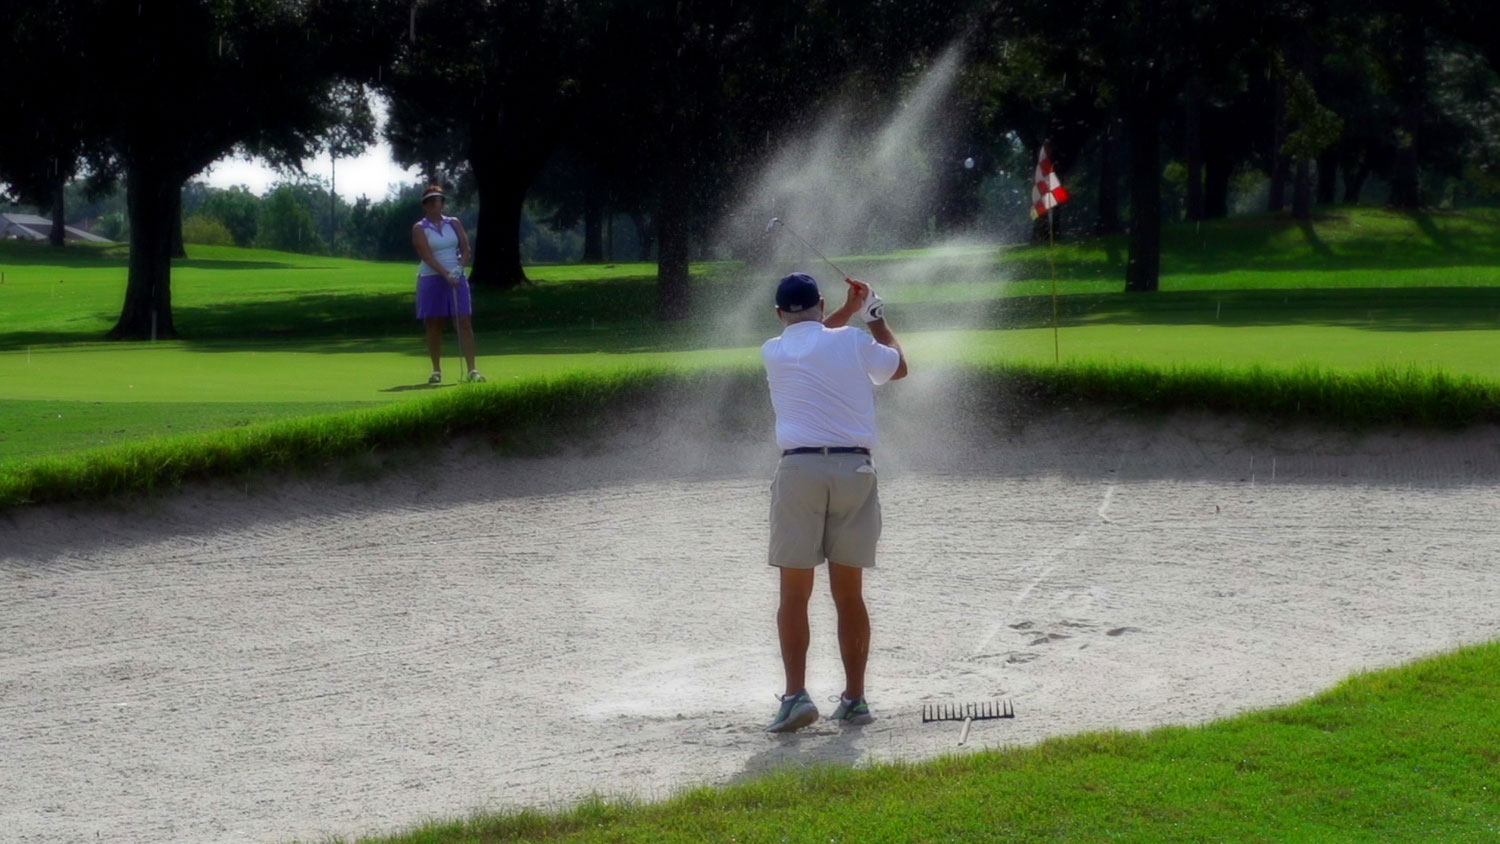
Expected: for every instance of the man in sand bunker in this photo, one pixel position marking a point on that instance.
(824, 503)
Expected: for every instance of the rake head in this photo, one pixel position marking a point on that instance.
(967, 711)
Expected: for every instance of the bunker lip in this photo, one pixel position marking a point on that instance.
(320, 658)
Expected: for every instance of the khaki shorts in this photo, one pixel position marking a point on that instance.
(824, 507)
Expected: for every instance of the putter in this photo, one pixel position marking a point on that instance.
(967, 713)
(777, 221)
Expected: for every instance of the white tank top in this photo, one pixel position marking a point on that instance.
(443, 239)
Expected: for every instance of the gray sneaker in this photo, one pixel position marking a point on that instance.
(797, 711)
(855, 712)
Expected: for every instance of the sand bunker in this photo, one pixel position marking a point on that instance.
(322, 658)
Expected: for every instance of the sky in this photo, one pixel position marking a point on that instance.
(368, 175)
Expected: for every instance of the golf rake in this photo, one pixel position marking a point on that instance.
(777, 221)
(967, 713)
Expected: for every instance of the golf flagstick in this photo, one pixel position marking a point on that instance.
(1052, 260)
(1047, 192)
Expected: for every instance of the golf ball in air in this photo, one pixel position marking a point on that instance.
(968, 164)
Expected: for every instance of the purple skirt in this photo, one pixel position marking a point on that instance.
(435, 297)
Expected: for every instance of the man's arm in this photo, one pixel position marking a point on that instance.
(858, 293)
(881, 331)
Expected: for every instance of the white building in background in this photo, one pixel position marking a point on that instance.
(32, 227)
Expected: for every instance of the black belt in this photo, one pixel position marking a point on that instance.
(828, 449)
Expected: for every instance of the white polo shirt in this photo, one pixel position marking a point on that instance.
(823, 384)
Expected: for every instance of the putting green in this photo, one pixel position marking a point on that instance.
(174, 372)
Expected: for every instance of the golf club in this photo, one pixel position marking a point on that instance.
(777, 221)
(458, 333)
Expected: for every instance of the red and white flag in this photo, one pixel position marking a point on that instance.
(1047, 191)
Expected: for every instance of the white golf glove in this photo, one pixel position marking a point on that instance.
(455, 276)
(874, 308)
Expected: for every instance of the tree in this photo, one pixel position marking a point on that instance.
(1314, 128)
(238, 209)
(256, 79)
(492, 95)
(1147, 52)
(285, 224)
(49, 134)
(349, 135)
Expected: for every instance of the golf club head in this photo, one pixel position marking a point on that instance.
(775, 221)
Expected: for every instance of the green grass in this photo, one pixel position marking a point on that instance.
(1404, 755)
(274, 336)
(538, 415)
(531, 417)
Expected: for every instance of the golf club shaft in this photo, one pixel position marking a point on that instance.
(458, 333)
(814, 249)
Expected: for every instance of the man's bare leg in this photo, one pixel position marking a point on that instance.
(791, 626)
(847, 583)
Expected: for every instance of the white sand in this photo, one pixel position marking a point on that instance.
(319, 658)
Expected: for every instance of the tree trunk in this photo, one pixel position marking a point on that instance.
(1328, 175)
(333, 201)
(1354, 182)
(1276, 201)
(152, 197)
(1193, 145)
(505, 154)
(1302, 191)
(58, 236)
(178, 249)
(1109, 178)
(672, 284)
(505, 161)
(645, 234)
(1143, 266)
(593, 222)
(497, 247)
(1217, 171)
(1406, 184)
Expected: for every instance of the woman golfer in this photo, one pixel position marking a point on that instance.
(442, 289)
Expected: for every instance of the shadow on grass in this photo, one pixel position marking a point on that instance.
(1374, 309)
(210, 264)
(24, 253)
(1261, 243)
(615, 316)
(544, 322)
(407, 388)
(618, 314)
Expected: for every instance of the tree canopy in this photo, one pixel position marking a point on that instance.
(664, 112)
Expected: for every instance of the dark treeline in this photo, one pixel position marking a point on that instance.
(656, 113)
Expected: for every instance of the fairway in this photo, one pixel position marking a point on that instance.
(301, 660)
(271, 335)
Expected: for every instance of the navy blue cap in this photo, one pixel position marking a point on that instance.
(797, 292)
